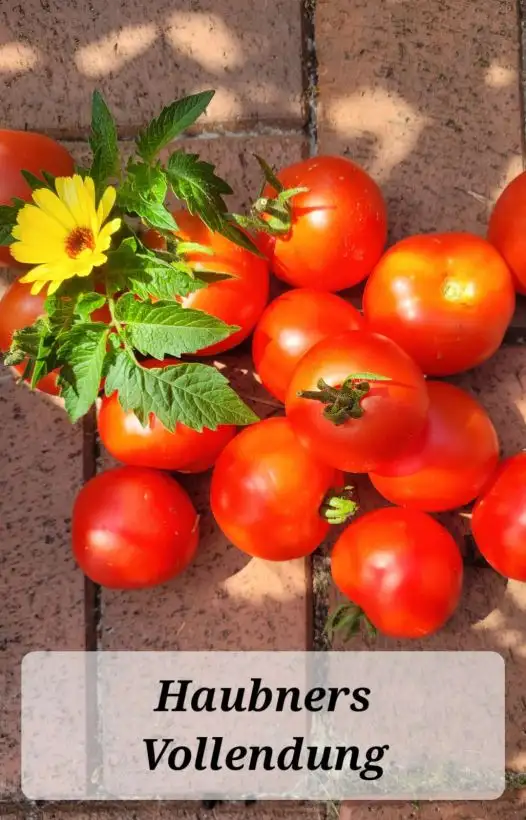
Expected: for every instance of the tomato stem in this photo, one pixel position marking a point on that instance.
(347, 619)
(343, 403)
(339, 505)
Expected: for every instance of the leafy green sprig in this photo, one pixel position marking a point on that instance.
(95, 330)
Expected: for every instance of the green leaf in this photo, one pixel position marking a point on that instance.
(269, 175)
(87, 303)
(26, 341)
(196, 395)
(166, 328)
(210, 276)
(82, 354)
(8, 215)
(149, 180)
(70, 300)
(239, 237)
(103, 142)
(37, 344)
(147, 274)
(143, 192)
(193, 247)
(45, 360)
(35, 182)
(193, 180)
(171, 122)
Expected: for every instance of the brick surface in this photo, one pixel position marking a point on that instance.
(41, 590)
(426, 96)
(510, 807)
(53, 54)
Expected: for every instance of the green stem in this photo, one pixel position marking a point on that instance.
(343, 403)
(347, 620)
(340, 506)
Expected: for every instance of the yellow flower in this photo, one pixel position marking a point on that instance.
(63, 233)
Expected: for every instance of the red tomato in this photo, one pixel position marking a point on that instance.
(499, 519)
(267, 491)
(133, 528)
(446, 299)
(339, 226)
(376, 423)
(184, 450)
(402, 568)
(290, 326)
(506, 229)
(452, 460)
(19, 308)
(239, 300)
(26, 151)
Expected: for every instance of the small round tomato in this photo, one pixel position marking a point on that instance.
(290, 326)
(357, 401)
(402, 569)
(499, 519)
(184, 449)
(267, 491)
(239, 300)
(446, 299)
(506, 229)
(133, 528)
(27, 151)
(339, 225)
(450, 462)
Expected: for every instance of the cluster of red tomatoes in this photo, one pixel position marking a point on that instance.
(362, 393)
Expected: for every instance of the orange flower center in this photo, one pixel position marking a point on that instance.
(79, 240)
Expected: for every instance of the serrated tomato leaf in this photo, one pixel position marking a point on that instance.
(196, 395)
(194, 182)
(171, 122)
(103, 143)
(82, 353)
(146, 274)
(166, 328)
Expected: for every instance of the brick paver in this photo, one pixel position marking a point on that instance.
(142, 56)
(426, 95)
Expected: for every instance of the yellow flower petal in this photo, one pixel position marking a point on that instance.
(107, 201)
(51, 204)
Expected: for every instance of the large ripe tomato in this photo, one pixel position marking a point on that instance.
(20, 308)
(185, 450)
(375, 420)
(239, 300)
(499, 519)
(402, 568)
(446, 299)
(290, 326)
(133, 528)
(452, 460)
(267, 491)
(339, 226)
(27, 151)
(506, 228)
